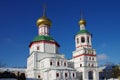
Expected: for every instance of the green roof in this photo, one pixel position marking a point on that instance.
(83, 31)
(42, 37)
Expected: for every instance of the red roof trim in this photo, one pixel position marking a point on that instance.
(83, 45)
(44, 41)
(84, 55)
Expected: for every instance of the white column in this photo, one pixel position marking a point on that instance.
(43, 30)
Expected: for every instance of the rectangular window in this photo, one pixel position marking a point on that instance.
(66, 75)
(38, 48)
(50, 63)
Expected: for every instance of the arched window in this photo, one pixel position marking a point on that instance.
(90, 75)
(64, 63)
(92, 52)
(50, 63)
(57, 74)
(87, 39)
(89, 58)
(81, 75)
(77, 40)
(38, 76)
(82, 39)
(73, 75)
(92, 65)
(92, 58)
(58, 64)
(66, 74)
(80, 65)
(89, 65)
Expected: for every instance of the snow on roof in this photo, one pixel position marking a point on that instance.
(13, 69)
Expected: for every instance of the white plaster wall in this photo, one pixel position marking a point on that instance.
(44, 47)
(41, 55)
(30, 62)
(35, 45)
(78, 52)
(51, 48)
(52, 75)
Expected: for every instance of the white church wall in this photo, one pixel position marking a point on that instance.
(42, 55)
(51, 48)
(53, 62)
(30, 62)
(52, 75)
(78, 52)
(35, 45)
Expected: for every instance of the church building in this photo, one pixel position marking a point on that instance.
(46, 63)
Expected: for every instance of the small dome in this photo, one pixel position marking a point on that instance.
(82, 22)
(44, 20)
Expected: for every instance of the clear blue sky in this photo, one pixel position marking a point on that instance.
(18, 27)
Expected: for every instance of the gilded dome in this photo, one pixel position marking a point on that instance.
(44, 20)
(82, 22)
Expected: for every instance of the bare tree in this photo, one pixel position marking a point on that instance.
(115, 72)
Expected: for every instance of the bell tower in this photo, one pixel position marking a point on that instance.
(84, 56)
(83, 37)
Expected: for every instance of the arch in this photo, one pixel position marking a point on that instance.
(92, 65)
(58, 63)
(38, 76)
(66, 75)
(64, 63)
(51, 63)
(89, 64)
(90, 75)
(92, 52)
(89, 58)
(57, 75)
(73, 75)
(82, 39)
(80, 65)
(81, 75)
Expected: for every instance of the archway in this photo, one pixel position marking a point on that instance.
(90, 75)
(81, 75)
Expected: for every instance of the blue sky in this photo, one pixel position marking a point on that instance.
(18, 27)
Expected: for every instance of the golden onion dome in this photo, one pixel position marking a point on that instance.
(82, 22)
(44, 20)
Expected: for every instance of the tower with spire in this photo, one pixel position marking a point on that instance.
(44, 61)
(84, 56)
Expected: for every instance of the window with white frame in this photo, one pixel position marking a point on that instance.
(64, 63)
(58, 63)
(66, 75)
(57, 74)
(51, 63)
